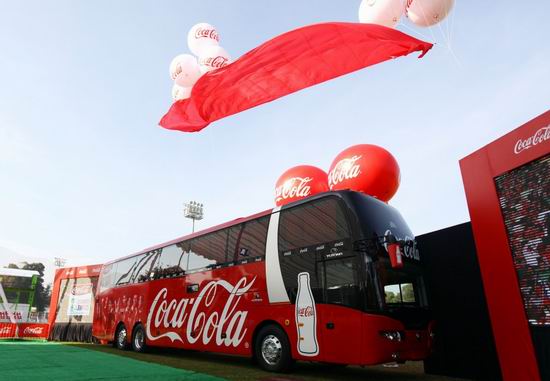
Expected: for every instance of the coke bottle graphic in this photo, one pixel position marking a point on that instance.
(306, 318)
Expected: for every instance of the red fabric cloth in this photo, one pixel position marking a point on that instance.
(290, 62)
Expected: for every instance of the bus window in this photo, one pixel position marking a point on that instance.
(341, 283)
(145, 266)
(312, 224)
(304, 234)
(252, 239)
(108, 274)
(170, 262)
(124, 270)
(207, 250)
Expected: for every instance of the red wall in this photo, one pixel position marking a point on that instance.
(511, 331)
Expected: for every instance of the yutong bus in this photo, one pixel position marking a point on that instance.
(309, 281)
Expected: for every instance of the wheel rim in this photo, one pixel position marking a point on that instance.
(272, 349)
(121, 338)
(138, 339)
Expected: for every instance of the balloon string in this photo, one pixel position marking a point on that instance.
(412, 30)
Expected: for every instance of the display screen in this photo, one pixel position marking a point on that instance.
(524, 196)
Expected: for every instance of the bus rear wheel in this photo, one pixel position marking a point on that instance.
(272, 349)
(121, 337)
(138, 339)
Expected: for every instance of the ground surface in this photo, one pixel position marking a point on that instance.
(21, 360)
(238, 368)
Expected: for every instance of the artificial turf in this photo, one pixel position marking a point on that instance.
(28, 360)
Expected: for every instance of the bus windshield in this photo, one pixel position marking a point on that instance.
(402, 287)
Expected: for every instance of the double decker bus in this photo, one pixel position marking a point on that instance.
(311, 280)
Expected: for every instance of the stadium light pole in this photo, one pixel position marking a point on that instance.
(59, 262)
(194, 211)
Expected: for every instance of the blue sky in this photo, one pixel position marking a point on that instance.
(86, 173)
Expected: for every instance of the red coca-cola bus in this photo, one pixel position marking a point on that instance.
(311, 280)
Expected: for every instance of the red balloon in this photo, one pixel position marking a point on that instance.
(365, 168)
(300, 182)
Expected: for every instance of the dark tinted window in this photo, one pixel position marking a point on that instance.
(312, 224)
(307, 234)
(340, 281)
(146, 266)
(251, 240)
(207, 250)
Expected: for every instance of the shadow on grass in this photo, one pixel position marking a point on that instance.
(242, 368)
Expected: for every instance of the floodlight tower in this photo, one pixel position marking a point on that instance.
(59, 262)
(194, 211)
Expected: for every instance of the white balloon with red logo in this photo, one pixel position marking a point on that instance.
(381, 12)
(184, 70)
(212, 58)
(180, 92)
(200, 36)
(428, 12)
(300, 182)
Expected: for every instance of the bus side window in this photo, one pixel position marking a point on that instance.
(252, 240)
(207, 250)
(341, 284)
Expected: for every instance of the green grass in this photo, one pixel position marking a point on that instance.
(240, 368)
(21, 360)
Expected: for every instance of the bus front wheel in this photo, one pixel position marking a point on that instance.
(272, 349)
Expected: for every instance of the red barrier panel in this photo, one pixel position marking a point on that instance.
(24, 331)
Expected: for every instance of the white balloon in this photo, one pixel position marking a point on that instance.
(184, 69)
(180, 92)
(381, 12)
(200, 36)
(429, 12)
(213, 57)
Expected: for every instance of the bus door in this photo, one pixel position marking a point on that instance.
(340, 315)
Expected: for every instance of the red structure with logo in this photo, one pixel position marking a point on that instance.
(72, 302)
(507, 186)
(311, 280)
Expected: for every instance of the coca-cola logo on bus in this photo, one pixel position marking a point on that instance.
(538, 137)
(293, 187)
(33, 331)
(207, 33)
(199, 325)
(306, 311)
(345, 169)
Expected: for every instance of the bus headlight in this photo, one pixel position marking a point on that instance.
(393, 335)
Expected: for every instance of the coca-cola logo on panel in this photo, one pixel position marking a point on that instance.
(33, 331)
(198, 318)
(345, 169)
(5, 330)
(538, 137)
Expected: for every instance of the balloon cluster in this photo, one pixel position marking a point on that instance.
(185, 69)
(423, 13)
(364, 168)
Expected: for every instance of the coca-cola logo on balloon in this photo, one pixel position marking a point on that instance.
(202, 322)
(345, 169)
(215, 62)
(299, 182)
(207, 33)
(365, 168)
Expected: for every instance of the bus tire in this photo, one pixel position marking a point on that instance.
(139, 343)
(121, 337)
(272, 349)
